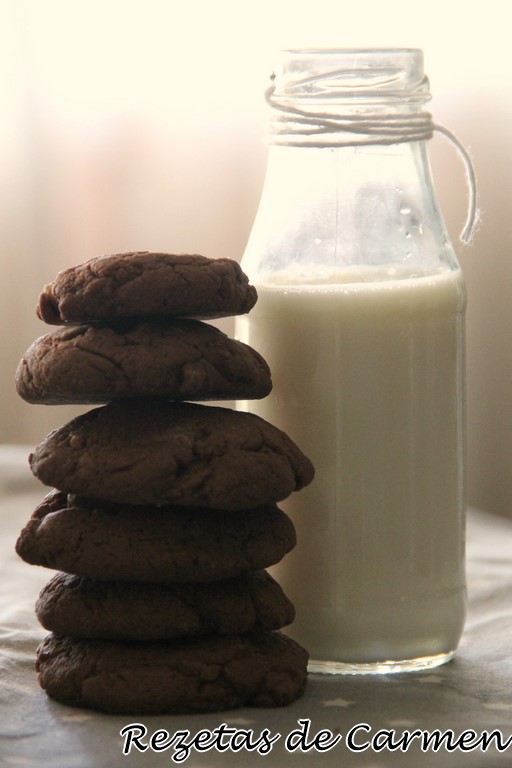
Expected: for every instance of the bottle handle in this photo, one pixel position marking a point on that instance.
(474, 214)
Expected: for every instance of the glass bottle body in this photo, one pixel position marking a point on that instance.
(360, 316)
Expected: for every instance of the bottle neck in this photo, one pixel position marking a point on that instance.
(299, 124)
(349, 97)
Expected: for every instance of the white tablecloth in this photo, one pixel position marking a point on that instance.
(473, 692)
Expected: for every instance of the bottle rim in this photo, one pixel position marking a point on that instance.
(371, 50)
(369, 75)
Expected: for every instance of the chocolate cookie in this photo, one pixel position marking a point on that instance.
(143, 284)
(104, 610)
(165, 544)
(156, 452)
(202, 675)
(180, 360)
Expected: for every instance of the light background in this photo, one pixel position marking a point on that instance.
(139, 124)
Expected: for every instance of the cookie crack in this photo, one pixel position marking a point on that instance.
(94, 353)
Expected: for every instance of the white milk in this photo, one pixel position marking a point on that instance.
(368, 379)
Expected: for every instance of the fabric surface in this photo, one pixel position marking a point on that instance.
(471, 693)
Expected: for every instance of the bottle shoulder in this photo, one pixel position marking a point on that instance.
(348, 208)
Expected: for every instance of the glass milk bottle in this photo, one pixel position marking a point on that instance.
(361, 318)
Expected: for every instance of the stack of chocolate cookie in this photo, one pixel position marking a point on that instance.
(163, 513)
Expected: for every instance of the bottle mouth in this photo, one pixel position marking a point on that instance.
(357, 74)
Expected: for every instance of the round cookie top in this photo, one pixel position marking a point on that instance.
(160, 452)
(264, 669)
(177, 359)
(145, 284)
